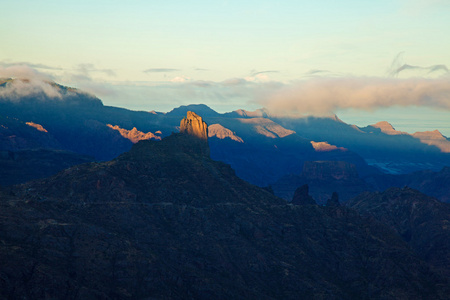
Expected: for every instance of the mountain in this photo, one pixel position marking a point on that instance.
(390, 151)
(200, 109)
(432, 183)
(261, 148)
(220, 132)
(24, 165)
(421, 220)
(434, 138)
(165, 221)
(323, 178)
(135, 135)
(16, 134)
(385, 127)
(242, 113)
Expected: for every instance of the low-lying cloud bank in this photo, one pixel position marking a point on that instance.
(316, 96)
(31, 82)
(326, 95)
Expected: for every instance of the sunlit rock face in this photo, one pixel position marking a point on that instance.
(37, 126)
(134, 135)
(220, 132)
(325, 147)
(434, 138)
(193, 125)
(387, 128)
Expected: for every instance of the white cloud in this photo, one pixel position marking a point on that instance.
(180, 79)
(28, 81)
(326, 95)
(22, 71)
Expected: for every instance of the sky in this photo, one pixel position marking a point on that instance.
(366, 61)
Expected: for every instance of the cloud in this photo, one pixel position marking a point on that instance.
(428, 70)
(234, 82)
(160, 70)
(180, 79)
(22, 72)
(202, 83)
(255, 73)
(314, 73)
(260, 76)
(28, 82)
(87, 69)
(33, 82)
(398, 66)
(222, 95)
(323, 96)
(88, 77)
(29, 64)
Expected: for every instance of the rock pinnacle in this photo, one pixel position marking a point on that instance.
(193, 125)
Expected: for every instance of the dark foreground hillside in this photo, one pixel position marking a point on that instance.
(420, 220)
(164, 221)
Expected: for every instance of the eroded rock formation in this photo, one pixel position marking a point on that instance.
(134, 135)
(193, 125)
(334, 201)
(220, 132)
(302, 197)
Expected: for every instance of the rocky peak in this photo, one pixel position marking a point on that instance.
(302, 197)
(334, 201)
(134, 135)
(386, 128)
(194, 125)
(220, 132)
(434, 138)
(431, 135)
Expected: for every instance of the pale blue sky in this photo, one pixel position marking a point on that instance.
(161, 54)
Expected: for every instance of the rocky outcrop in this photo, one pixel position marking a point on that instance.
(434, 138)
(334, 201)
(134, 135)
(268, 128)
(302, 197)
(325, 147)
(37, 126)
(387, 128)
(220, 132)
(194, 125)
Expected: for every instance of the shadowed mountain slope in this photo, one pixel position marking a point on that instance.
(435, 184)
(165, 221)
(420, 220)
(24, 165)
(261, 149)
(323, 178)
(380, 145)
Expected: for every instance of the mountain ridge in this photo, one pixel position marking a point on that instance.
(272, 147)
(164, 220)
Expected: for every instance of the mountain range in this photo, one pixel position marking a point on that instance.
(261, 148)
(166, 221)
